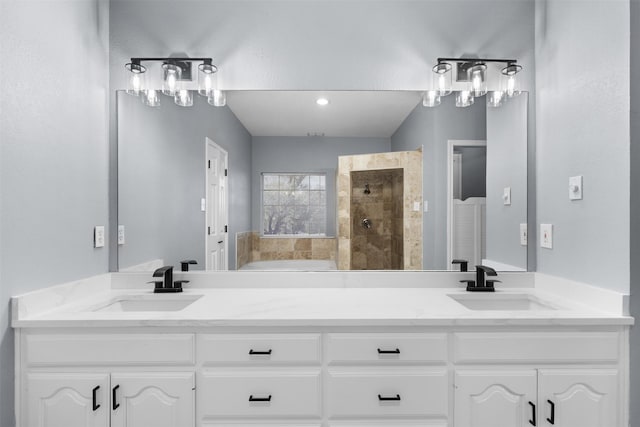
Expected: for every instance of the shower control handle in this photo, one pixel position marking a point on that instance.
(366, 223)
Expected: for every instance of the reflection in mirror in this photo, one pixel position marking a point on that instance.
(164, 202)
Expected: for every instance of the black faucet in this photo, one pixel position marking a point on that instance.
(185, 264)
(463, 263)
(167, 285)
(481, 284)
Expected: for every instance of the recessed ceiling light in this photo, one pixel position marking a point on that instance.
(322, 101)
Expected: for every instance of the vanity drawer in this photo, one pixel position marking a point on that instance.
(387, 348)
(259, 348)
(109, 349)
(536, 347)
(388, 392)
(236, 393)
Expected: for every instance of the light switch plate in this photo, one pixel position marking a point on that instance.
(416, 206)
(121, 234)
(575, 187)
(506, 196)
(98, 236)
(546, 236)
(426, 206)
(203, 205)
(523, 234)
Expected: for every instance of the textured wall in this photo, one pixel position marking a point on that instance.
(582, 128)
(53, 155)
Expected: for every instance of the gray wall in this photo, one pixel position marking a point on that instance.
(53, 155)
(432, 128)
(635, 211)
(161, 178)
(582, 128)
(474, 171)
(506, 167)
(305, 154)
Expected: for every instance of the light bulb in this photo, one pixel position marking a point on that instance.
(184, 98)
(509, 80)
(441, 78)
(477, 74)
(431, 98)
(136, 77)
(207, 78)
(171, 74)
(151, 98)
(511, 85)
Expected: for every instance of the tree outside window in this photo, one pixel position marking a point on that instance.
(294, 204)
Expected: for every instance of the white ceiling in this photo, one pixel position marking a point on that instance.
(349, 113)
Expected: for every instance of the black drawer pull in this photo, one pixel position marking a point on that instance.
(114, 399)
(383, 399)
(94, 395)
(259, 353)
(396, 351)
(259, 399)
(552, 419)
(532, 421)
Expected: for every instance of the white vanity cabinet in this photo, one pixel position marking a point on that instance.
(541, 380)
(106, 380)
(436, 376)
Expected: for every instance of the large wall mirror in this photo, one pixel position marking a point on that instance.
(273, 180)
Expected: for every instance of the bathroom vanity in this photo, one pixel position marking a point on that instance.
(331, 349)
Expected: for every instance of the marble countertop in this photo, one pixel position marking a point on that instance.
(307, 306)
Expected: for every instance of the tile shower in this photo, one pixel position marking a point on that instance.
(376, 197)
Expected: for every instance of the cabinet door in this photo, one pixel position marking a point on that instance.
(486, 398)
(67, 400)
(158, 399)
(578, 398)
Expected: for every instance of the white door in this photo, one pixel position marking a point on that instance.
(217, 208)
(574, 398)
(158, 399)
(67, 399)
(495, 398)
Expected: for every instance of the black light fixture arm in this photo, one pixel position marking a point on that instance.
(476, 60)
(208, 61)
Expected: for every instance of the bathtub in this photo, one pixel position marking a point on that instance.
(292, 265)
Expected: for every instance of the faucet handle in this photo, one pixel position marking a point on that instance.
(157, 283)
(463, 263)
(185, 264)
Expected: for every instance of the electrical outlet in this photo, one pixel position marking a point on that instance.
(546, 236)
(121, 234)
(506, 196)
(98, 236)
(523, 234)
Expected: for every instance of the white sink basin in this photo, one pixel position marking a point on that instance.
(161, 302)
(506, 302)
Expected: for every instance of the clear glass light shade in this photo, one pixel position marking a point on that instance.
(478, 79)
(151, 97)
(509, 82)
(218, 99)
(171, 75)
(441, 78)
(184, 98)
(464, 98)
(431, 98)
(495, 98)
(136, 78)
(207, 79)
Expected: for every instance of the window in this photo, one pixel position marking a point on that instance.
(294, 204)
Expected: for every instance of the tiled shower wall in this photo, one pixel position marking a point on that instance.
(381, 246)
(410, 162)
(253, 247)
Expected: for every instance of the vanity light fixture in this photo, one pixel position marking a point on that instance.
(176, 75)
(472, 71)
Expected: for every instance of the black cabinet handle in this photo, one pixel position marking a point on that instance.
(94, 395)
(382, 398)
(259, 399)
(113, 397)
(532, 421)
(258, 353)
(396, 351)
(552, 419)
